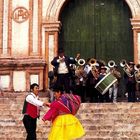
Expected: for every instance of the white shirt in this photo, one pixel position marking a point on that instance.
(62, 69)
(33, 99)
(87, 69)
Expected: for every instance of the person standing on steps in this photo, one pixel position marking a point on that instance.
(31, 110)
(65, 126)
(62, 69)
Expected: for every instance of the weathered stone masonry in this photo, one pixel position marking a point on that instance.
(29, 40)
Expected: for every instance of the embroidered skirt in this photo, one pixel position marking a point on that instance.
(66, 127)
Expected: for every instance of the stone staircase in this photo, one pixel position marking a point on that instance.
(101, 121)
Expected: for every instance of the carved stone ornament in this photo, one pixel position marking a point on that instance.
(20, 14)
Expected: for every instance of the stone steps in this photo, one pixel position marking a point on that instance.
(101, 121)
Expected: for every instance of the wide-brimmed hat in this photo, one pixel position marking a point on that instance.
(131, 63)
(103, 67)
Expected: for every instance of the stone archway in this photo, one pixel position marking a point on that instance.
(56, 5)
(52, 26)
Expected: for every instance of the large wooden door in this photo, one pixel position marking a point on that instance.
(99, 29)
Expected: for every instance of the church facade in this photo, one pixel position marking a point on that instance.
(29, 32)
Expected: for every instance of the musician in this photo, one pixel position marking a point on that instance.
(92, 79)
(130, 82)
(62, 69)
(113, 90)
(87, 67)
(105, 97)
(80, 82)
(137, 77)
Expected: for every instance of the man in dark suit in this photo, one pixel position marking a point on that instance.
(62, 69)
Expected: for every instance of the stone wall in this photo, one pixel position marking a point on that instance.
(29, 31)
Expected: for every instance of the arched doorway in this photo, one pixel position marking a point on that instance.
(97, 28)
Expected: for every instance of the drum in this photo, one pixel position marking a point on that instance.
(105, 83)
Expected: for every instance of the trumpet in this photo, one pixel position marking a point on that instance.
(111, 64)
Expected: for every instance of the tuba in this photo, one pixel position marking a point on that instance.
(123, 63)
(137, 73)
(92, 62)
(137, 67)
(111, 64)
(126, 67)
(81, 62)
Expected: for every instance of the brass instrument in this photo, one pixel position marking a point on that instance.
(80, 73)
(126, 67)
(137, 73)
(123, 63)
(107, 69)
(81, 62)
(77, 56)
(95, 73)
(92, 62)
(111, 64)
(137, 67)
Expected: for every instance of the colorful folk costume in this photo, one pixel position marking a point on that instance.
(65, 126)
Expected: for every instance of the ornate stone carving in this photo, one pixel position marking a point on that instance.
(20, 14)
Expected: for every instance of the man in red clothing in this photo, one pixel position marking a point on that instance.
(31, 110)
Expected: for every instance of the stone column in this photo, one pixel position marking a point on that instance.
(51, 46)
(136, 35)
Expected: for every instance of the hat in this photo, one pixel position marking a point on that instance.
(60, 50)
(103, 67)
(131, 63)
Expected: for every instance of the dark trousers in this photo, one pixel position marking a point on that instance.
(80, 90)
(131, 89)
(64, 80)
(30, 126)
(94, 96)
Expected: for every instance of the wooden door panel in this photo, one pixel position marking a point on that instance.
(97, 28)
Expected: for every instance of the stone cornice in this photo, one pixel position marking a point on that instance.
(52, 26)
(135, 23)
(13, 62)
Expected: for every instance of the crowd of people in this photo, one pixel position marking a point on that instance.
(73, 81)
(81, 77)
